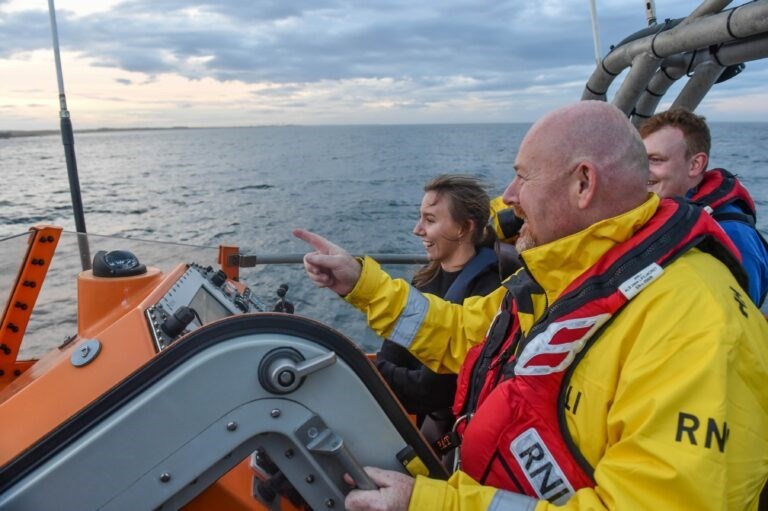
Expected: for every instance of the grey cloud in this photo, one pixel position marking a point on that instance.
(24, 31)
(247, 11)
(134, 59)
(305, 42)
(114, 99)
(287, 90)
(500, 45)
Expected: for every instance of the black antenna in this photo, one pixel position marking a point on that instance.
(68, 139)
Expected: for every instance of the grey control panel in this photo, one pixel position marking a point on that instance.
(200, 296)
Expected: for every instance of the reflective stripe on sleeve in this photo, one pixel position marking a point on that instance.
(410, 319)
(508, 501)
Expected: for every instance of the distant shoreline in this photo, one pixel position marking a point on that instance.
(38, 133)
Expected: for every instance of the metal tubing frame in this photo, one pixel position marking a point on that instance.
(705, 42)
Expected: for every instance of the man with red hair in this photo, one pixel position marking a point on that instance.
(678, 144)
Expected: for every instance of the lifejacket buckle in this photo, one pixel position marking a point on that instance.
(463, 419)
(459, 420)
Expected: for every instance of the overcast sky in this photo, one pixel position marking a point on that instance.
(243, 62)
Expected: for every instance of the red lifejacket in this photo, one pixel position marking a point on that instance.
(513, 387)
(718, 188)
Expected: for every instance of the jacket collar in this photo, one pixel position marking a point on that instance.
(556, 264)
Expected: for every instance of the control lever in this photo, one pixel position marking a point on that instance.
(328, 443)
(283, 370)
(175, 324)
(282, 304)
(218, 278)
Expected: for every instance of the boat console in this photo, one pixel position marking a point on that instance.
(179, 390)
(296, 393)
(200, 296)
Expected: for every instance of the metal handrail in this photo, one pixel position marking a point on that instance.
(249, 261)
(704, 43)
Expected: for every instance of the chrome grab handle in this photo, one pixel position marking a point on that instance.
(283, 370)
(287, 372)
(328, 443)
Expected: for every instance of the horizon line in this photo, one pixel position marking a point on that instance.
(43, 132)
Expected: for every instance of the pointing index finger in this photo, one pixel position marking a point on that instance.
(317, 241)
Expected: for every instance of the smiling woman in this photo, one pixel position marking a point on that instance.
(452, 224)
(453, 228)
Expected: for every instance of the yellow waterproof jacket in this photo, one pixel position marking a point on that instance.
(673, 409)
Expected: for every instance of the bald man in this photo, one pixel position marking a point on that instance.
(623, 366)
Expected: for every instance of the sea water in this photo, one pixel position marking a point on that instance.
(360, 186)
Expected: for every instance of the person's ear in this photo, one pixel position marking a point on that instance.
(698, 164)
(586, 184)
(466, 228)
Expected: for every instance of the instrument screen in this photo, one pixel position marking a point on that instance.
(207, 306)
(203, 291)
